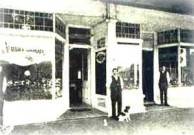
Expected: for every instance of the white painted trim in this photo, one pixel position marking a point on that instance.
(129, 40)
(187, 44)
(78, 26)
(26, 33)
(147, 49)
(71, 46)
(100, 49)
(167, 45)
(60, 37)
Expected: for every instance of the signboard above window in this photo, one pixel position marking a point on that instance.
(101, 43)
(148, 40)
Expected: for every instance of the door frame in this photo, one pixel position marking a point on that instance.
(91, 70)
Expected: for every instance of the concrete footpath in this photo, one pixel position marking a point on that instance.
(158, 120)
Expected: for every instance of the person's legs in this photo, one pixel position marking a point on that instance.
(119, 103)
(161, 94)
(113, 107)
(165, 95)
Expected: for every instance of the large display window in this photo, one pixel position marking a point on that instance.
(169, 57)
(59, 53)
(128, 65)
(28, 63)
(179, 62)
(29, 82)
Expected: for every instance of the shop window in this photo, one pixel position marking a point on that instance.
(130, 76)
(28, 69)
(169, 58)
(127, 30)
(101, 72)
(187, 66)
(29, 82)
(128, 65)
(59, 52)
(60, 27)
(167, 37)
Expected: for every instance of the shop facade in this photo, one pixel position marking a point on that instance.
(175, 51)
(32, 59)
(58, 61)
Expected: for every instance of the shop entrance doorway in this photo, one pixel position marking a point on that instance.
(78, 75)
(147, 76)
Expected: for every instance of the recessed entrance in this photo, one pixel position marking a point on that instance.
(78, 74)
(147, 75)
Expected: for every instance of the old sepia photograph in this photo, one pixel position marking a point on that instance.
(96, 67)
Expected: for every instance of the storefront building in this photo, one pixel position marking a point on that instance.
(175, 51)
(32, 58)
(57, 60)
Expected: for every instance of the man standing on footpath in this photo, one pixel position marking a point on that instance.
(163, 86)
(116, 93)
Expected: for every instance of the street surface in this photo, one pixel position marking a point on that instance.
(157, 121)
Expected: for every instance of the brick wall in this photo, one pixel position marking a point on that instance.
(151, 20)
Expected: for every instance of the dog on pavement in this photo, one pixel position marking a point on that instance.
(125, 115)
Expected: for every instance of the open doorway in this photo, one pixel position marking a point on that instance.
(147, 76)
(78, 76)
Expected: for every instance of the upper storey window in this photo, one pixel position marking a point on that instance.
(127, 30)
(20, 19)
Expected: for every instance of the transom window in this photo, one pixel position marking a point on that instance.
(167, 37)
(187, 35)
(79, 35)
(127, 30)
(20, 19)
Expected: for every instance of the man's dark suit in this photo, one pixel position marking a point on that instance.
(116, 95)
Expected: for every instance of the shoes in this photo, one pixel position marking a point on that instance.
(166, 104)
(114, 117)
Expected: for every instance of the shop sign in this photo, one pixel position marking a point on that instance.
(100, 57)
(24, 54)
